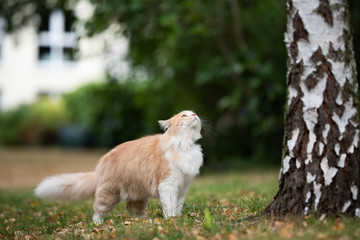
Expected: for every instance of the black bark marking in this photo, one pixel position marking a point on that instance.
(346, 91)
(317, 56)
(294, 50)
(349, 137)
(331, 93)
(335, 55)
(300, 31)
(311, 81)
(325, 12)
(332, 86)
(295, 75)
(323, 119)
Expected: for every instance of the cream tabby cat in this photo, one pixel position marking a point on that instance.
(159, 166)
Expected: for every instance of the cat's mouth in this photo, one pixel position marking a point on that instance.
(195, 122)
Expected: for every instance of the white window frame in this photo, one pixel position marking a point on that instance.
(56, 39)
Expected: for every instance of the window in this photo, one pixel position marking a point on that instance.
(57, 41)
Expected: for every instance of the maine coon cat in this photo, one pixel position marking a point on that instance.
(158, 166)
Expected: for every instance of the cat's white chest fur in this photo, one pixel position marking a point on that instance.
(188, 161)
(185, 163)
(184, 155)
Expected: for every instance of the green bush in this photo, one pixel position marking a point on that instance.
(106, 111)
(36, 123)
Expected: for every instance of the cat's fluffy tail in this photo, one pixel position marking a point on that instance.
(71, 187)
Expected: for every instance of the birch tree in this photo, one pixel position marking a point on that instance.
(320, 170)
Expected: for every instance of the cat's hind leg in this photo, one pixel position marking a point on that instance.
(105, 201)
(137, 208)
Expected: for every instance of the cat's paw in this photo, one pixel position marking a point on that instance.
(169, 214)
(97, 219)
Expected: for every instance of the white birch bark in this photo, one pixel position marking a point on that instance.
(321, 139)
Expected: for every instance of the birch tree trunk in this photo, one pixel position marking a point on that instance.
(321, 162)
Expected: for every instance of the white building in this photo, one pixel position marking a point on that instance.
(52, 61)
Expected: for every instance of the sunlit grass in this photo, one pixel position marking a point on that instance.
(231, 199)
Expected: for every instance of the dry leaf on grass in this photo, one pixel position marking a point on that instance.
(231, 236)
(199, 237)
(287, 231)
(338, 225)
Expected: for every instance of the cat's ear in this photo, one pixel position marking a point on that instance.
(164, 124)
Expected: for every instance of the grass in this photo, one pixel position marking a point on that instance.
(228, 198)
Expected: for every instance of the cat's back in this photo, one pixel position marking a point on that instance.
(144, 145)
(135, 150)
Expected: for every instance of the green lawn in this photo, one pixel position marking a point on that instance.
(228, 197)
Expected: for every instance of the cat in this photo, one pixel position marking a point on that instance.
(158, 166)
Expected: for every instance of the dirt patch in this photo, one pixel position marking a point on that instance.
(26, 167)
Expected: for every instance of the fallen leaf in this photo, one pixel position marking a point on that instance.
(251, 229)
(217, 237)
(86, 236)
(231, 236)
(226, 211)
(79, 225)
(275, 225)
(321, 236)
(199, 237)
(98, 229)
(238, 210)
(224, 202)
(195, 232)
(338, 225)
(127, 223)
(157, 221)
(286, 232)
(323, 217)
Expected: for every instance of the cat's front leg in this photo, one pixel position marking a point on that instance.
(182, 194)
(179, 206)
(168, 194)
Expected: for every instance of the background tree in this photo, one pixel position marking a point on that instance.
(321, 159)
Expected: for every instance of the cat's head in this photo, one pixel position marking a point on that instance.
(184, 124)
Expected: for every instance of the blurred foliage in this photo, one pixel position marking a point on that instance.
(219, 58)
(107, 112)
(226, 60)
(36, 123)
